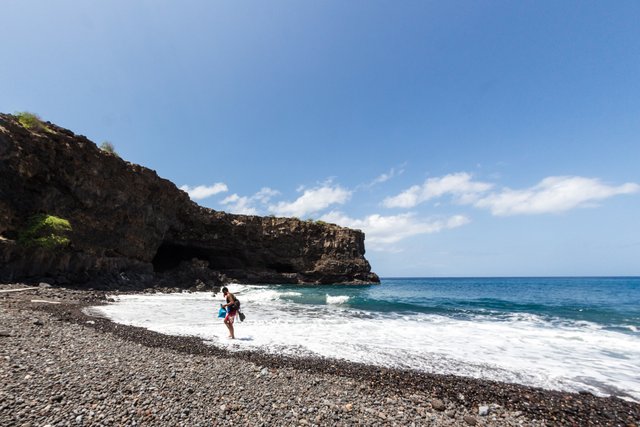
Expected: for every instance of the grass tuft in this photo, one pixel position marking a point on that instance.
(31, 121)
(108, 147)
(46, 231)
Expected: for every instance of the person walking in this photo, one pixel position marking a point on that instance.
(232, 309)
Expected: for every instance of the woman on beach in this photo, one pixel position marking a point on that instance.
(232, 310)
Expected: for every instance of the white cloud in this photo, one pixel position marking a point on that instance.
(204, 191)
(382, 231)
(265, 194)
(239, 205)
(246, 205)
(551, 195)
(312, 201)
(383, 177)
(459, 185)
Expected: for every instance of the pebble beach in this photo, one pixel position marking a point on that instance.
(62, 367)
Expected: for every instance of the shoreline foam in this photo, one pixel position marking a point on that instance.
(461, 396)
(527, 350)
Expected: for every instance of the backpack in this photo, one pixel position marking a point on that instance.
(236, 306)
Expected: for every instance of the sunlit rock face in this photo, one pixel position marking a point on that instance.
(130, 225)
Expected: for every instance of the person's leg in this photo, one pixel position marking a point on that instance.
(229, 322)
(233, 337)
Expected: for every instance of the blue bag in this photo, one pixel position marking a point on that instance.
(222, 312)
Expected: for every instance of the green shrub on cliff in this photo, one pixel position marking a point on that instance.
(31, 121)
(46, 231)
(108, 147)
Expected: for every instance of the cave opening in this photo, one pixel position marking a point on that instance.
(280, 267)
(170, 255)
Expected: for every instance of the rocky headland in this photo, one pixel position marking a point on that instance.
(128, 228)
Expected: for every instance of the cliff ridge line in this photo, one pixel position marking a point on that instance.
(131, 227)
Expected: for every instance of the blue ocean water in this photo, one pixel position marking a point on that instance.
(612, 302)
(574, 333)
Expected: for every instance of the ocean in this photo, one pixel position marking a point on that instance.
(569, 333)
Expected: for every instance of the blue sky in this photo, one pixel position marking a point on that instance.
(465, 138)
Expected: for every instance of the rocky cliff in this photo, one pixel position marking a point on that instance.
(128, 224)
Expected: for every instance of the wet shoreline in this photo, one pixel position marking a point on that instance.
(514, 403)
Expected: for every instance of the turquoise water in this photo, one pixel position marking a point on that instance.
(612, 302)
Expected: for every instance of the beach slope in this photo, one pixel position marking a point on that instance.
(58, 365)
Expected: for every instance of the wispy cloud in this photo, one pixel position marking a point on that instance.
(460, 185)
(551, 195)
(383, 177)
(203, 191)
(312, 201)
(247, 205)
(265, 194)
(239, 205)
(382, 231)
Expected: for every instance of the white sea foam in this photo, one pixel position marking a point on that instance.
(525, 349)
(339, 299)
(290, 294)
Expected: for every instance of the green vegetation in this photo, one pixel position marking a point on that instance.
(45, 231)
(31, 121)
(108, 147)
(320, 222)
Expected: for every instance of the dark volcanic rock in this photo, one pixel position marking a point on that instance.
(130, 225)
